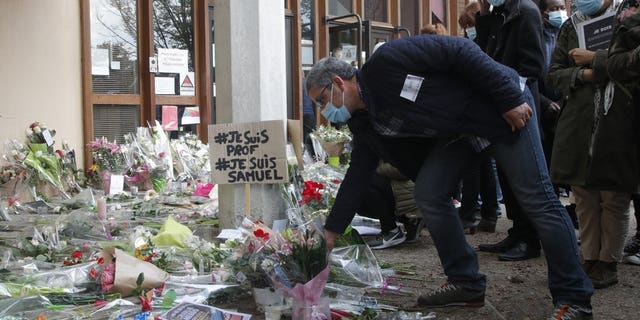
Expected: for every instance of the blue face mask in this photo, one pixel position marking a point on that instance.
(496, 3)
(471, 33)
(335, 114)
(589, 7)
(557, 18)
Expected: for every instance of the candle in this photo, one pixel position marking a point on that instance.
(102, 209)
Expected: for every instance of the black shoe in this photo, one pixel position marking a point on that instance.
(470, 226)
(499, 247)
(520, 251)
(413, 227)
(571, 210)
(452, 295)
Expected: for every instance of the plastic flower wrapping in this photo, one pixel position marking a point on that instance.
(149, 158)
(192, 158)
(329, 141)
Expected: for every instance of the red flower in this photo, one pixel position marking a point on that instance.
(76, 255)
(311, 191)
(261, 234)
(93, 273)
(101, 260)
(146, 304)
(67, 262)
(99, 303)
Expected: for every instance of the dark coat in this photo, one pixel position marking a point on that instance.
(596, 152)
(512, 35)
(463, 92)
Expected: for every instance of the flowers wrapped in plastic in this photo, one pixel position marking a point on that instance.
(150, 158)
(192, 158)
(296, 262)
(332, 142)
(109, 158)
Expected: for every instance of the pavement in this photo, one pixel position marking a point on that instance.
(515, 290)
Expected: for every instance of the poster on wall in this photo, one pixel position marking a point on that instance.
(165, 85)
(170, 118)
(252, 152)
(349, 53)
(191, 115)
(100, 62)
(173, 60)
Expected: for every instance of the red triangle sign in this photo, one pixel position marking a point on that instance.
(187, 82)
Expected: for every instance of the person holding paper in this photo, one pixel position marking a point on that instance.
(594, 150)
(416, 104)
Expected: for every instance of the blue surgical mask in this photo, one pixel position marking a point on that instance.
(589, 7)
(471, 33)
(496, 3)
(335, 114)
(557, 18)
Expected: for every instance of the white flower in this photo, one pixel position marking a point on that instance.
(38, 153)
(28, 131)
(37, 129)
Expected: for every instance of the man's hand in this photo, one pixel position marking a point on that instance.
(581, 57)
(484, 6)
(552, 110)
(330, 238)
(517, 117)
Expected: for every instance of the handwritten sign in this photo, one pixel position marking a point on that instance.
(248, 152)
(596, 33)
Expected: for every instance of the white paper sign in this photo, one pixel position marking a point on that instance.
(411, 87)
(173, 60)
(230, 234)
(100, 62)
(116, 185)
(165, 85)
(279, 225)
(47, 137)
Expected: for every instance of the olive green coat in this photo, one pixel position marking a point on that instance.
(591, 149)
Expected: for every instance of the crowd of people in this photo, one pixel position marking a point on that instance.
(523, 97)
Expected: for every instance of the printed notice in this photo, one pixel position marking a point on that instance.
(173, 60)
(411, 87)
(248, 152)
(596, 33)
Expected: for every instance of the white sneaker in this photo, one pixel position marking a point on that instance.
(389, 240)
(633, 259)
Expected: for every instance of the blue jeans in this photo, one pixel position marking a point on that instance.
(522, 160)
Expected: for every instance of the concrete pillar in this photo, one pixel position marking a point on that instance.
(251, 86)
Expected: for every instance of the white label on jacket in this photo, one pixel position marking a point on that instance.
(411, 87)
(523, 83)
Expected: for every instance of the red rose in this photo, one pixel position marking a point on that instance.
(76, 255)
(101, 260)
(93, 273)
(261, 234)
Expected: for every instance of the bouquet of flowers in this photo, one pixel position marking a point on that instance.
(332, 142)
(192, 158)
(38, 133)
(295, 262)
(150, 158)
(109, 158)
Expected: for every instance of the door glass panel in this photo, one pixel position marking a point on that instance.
(306, 24)
(343, 44)
(409, 15)
(340, 7)
(114, 49)
(173, 30)
(114, 121)
(376, 10)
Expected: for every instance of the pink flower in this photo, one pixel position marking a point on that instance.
(108, 276)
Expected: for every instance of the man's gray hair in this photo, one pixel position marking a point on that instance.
(321, 73)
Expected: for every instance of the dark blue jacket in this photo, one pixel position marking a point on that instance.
(464, 91)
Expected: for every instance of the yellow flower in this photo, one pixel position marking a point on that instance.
(93, 167)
